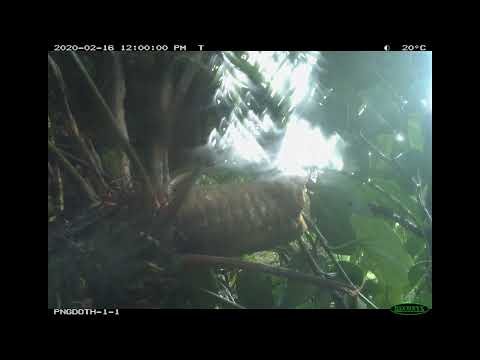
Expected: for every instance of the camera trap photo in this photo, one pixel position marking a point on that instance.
(239, 179)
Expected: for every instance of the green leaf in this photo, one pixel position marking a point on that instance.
(371, 287)
(332, 215)
(393, 295)
(354, 272)
(335, 197)
(417, 272)
(404, 198)
(384, 250)
(348, 191)
(414, 244)
(263, 257)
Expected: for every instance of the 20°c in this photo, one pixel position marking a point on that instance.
(414, 47)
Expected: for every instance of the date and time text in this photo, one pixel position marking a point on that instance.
(190, 47)
(126, 47)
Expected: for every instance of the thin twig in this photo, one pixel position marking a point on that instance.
(57, 184)
(72, 124)
(395, 200)
(50, 170)
(185, 81)
(198, 260)
(395, 164)
(337, 298)
(231, 303)
(223, 283)
(86, 188)
(313, 264)
(73, 157)
(95, 156)
(324, 242)
(384, 157)
(423, 205)
(390, 214)
(412, 218)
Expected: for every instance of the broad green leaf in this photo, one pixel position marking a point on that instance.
(335, 197)
(332, 214)
(398, 198)
(354, 272)
(384, 250)
(345, 190)
(371, 287)
(394, 295)
(414, 245)
(417, 272)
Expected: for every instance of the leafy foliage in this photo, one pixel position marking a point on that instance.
(389, 155)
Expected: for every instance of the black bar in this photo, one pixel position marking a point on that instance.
(239, 315)
(238, 45)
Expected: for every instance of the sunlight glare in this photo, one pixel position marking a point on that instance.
(305, 147)
(300, 79)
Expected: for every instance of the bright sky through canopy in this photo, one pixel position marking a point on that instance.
(289, 77)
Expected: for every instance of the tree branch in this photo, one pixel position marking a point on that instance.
(324, 242)
(84, 186)
(382, 191)
(73, 127)
(116, 129)
(206, 260)
(390, 214)
(337, 298)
